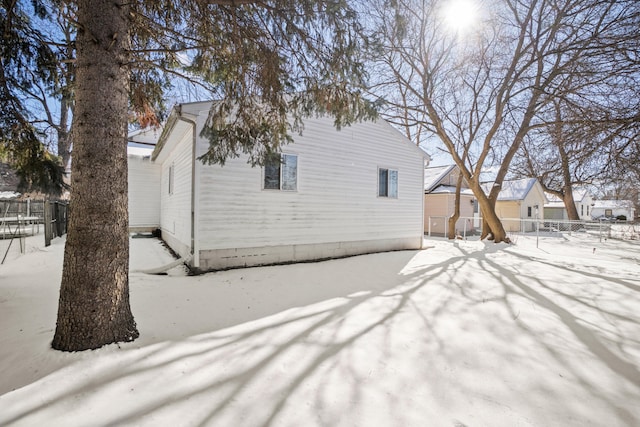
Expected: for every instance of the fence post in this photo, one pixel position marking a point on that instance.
(47, 224)
(59, 224)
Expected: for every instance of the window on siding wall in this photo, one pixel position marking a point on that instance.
(581, 210)
(388, 183)
(529, 211)
(282, 173)
(171, 179)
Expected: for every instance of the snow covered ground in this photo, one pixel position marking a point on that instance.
(460, 334)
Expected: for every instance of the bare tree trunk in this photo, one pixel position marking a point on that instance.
(570, 204)
(64, 137)
(94, 305)
(456, 210)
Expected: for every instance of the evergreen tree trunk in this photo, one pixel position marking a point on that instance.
(94, 305)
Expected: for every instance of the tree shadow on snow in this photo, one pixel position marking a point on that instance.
(264, 366)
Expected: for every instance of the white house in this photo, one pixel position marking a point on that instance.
(334, 193)
(439, 201)
(519, 199)
(613, 209)
(555, 208)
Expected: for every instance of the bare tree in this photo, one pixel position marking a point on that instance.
(482, 92)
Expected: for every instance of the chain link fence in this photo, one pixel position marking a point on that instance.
(438, 226)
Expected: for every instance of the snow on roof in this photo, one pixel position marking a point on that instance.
(554, 204)
(139, 150)
(433, 175)
(516, 189)
(552, 199)
(612, 204)
(449, 189)
(147, 136)
(579, 195)
(5, 195)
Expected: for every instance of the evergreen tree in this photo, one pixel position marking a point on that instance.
(25, 61)
(262, 60)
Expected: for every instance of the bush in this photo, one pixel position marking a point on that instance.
(621, 218)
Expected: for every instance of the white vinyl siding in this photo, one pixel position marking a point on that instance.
(176, 196)
(144, 192)
(336, 198)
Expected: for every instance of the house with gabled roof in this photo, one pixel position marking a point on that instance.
(555, 207)
(332, 193)
(439, 201)
(518, 200)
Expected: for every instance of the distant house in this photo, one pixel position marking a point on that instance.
(519, 199)
(613, 209)
(9, 182)
(439, 201)
(333, 193)
(555, 208)
(144, 181)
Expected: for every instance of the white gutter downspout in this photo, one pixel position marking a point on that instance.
(195, 244)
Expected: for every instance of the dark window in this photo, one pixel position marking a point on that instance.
(281, 173)
(529, 211)
(388, 183)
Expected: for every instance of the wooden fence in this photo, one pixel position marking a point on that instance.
(52, 214)
(55, 220)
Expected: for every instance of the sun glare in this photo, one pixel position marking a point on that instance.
(460, 15)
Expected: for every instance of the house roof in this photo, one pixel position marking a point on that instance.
(141, 142)
(190, 110)
(433, 176)
(449, 189)
(579, 194)
(516, 189)
(9, 181)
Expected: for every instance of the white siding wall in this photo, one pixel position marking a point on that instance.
(336, 200)
(175, 217)
(534, 197)
(144, 193)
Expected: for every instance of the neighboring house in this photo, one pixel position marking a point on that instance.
(519, 199)
(439, 201)
(9, 182)
(334, 193)
(555, 208)
(144, 181)
(613, 209)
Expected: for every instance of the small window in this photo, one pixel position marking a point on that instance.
(587, 209)
(608, 212)
(529, 211)
(281, 173)
(171, 169)
(581, 210)
(388, 183)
